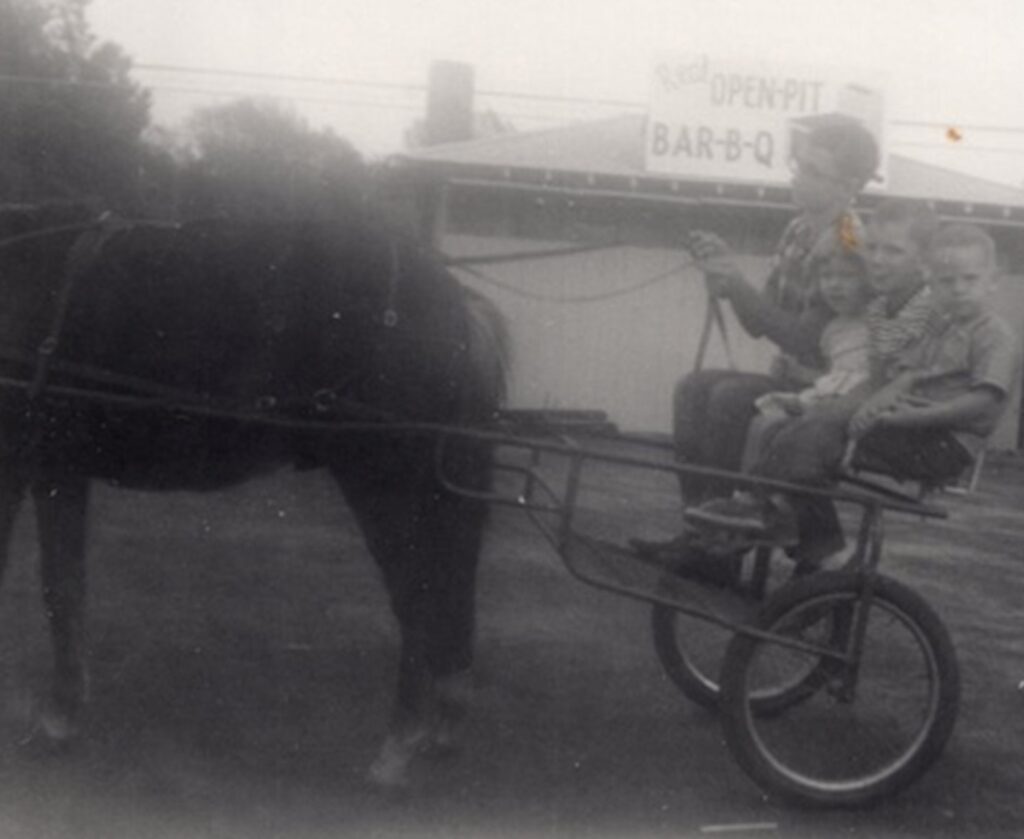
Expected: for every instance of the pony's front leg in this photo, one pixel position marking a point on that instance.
(61, 508)
(394, 516)
(457, 525)
(431, 577)
(415, 714)
(12, 492)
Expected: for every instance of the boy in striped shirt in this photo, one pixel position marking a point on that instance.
(897, 318)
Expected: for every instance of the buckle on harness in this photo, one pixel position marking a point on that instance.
(324, 400)
(48, 346)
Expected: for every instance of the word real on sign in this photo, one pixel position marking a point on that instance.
(736, 120)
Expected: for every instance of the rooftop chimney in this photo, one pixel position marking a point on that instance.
(449, 103)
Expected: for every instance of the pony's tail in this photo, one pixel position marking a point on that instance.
(488, 358)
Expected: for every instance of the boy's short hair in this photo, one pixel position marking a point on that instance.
(962, 235)
(923, 220)
(850, 144)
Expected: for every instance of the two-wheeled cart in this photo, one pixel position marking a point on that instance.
(837, 688)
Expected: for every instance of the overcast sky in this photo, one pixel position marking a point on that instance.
(949, 61)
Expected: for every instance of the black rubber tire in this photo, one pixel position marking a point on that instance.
(699, 680)
(691, 651)
(801, 726)
(679, 664)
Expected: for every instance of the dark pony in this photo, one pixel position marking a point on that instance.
(196, 356)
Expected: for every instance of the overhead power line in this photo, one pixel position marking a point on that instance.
(959, 147)
(419, 88)
(278, 77)
(508, 94)
(55, 82)
(321, 100)
(411, 88)
(995, 129)
(214, 92)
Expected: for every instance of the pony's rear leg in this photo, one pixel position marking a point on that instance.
(61, 507)
(458, 525)
(431, 596)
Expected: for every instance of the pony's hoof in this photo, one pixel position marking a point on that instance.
(50, 735)
(446, 741)
(389, 775)
(59, 729)
(390, 770)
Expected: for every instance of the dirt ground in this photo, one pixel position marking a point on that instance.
(243, 657)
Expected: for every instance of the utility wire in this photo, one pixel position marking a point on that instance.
(421, 88)
(43, 81)
(46, 81)
(210, 71)
(323, 100)
(961, 146)
(418, 88)
(581, 100)
(995, 129)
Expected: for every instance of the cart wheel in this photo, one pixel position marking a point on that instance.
(861, 732)
(691, 649)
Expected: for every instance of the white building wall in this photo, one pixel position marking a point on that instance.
(621, 354)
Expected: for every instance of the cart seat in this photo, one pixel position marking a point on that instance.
(861, 469)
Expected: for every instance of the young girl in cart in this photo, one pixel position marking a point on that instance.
(842, 278)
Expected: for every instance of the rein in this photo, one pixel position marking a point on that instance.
(80, 258)
(80, 227)
(144, 394)
(364, 418)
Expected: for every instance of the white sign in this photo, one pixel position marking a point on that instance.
(735, 120)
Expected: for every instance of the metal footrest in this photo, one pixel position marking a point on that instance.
(619, 569)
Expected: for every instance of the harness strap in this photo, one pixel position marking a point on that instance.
(18, 238)
(390, 317)
(723, 331)
(81, 256)
(713, 316)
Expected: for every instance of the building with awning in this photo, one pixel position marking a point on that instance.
(613, 328)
